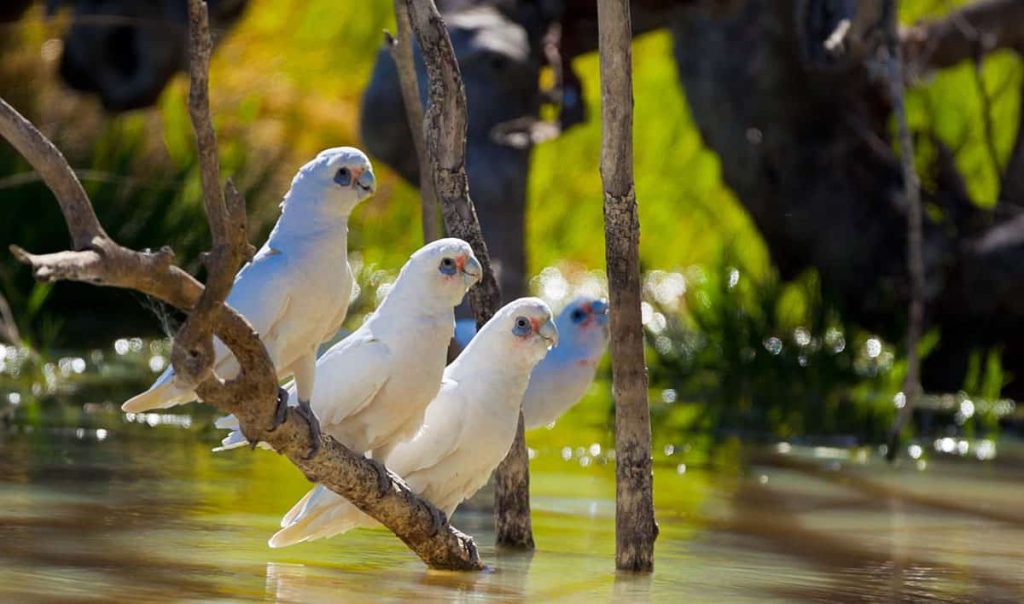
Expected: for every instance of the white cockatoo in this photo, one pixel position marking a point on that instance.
(467, 430)
(373, 386)
(562, 378)
(297, 288)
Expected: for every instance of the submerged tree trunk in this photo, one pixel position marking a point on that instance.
(445, 134)
(635, 528)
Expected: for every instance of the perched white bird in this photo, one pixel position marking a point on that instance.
(296, 290)
(373, 386)
(562, 378)
(466, 432)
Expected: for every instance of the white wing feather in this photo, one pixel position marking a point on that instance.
(348, 376)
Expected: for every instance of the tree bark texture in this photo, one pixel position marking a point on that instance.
(401, 54)
(445, 133)
(251, 395)
(635, 527)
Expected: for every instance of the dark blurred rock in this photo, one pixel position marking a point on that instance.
(126, 51)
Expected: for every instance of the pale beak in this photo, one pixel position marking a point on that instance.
(549, 332)
(600, 309)
(472, 271)
(366, 182)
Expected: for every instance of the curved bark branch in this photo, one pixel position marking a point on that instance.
(978, 28)
(445, 134)
(49, 162)
(252, 394)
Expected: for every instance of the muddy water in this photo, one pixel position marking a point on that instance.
(152, 515)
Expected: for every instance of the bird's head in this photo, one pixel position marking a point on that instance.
(583, 326)
(524, 329)
(447, 268)
(336, 181)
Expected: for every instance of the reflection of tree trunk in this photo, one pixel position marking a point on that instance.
(635, 529)
(807, 150)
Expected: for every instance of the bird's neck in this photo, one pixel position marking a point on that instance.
(502, 372)
(298, 227)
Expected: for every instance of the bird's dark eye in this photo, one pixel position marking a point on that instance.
(522, 327)
(343, 177)
(578, 315)
(447, 266)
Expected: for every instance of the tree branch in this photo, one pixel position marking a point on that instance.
(983, 26)
(635, 527)
(401, 53)
(193, 356)
(251, 395)
(445, 133)
(58, 176)
(893, 58)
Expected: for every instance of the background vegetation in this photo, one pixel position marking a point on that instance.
(759, 355)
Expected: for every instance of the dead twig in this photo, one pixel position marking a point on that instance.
(985, 26)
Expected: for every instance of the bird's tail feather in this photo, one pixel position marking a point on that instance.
(319, 514)
(299, 507)
(235, 439)
(159, 396)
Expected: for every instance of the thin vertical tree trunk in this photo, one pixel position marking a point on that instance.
(635, 528)
(401, 53)
(445, 135)
(915, 257)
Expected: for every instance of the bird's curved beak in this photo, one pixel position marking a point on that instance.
(366, 183)
(549, 332)
(472, 271)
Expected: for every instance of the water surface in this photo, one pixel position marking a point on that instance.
(137, 514)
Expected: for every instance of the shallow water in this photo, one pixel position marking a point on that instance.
(152, 515)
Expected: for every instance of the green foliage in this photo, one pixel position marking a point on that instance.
(735, 349)
(764, 357)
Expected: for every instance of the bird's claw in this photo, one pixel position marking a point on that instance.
(306, 412)
(440, 520)
(383, 479)
(281, 410)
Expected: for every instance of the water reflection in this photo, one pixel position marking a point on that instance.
(155, 516)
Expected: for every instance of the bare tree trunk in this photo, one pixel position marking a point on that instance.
(445, 133)
(401, 53)
(252, 395)
(635, 528)
(893, 57)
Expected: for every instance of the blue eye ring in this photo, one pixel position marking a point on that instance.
(447, 266)
(578, 315)
(343, 177)
(522, 327)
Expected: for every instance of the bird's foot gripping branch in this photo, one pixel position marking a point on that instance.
(252, 395)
